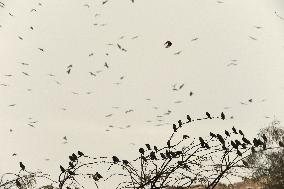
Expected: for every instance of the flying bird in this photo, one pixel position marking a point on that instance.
(168, 44)
(195, 39)
(106, 65)
(41, 49)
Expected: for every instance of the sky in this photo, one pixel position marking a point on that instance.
(227, 56)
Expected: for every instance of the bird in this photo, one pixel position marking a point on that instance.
(181, 86)
(62, 169)
(80, 153)
(234, 145)
(195, 39)
(239, 153)
(222, 116)
(33, 10)
(258, 27)
(153, 156)
(241, 132)
(246, 140)
(148, 146)
(177, 53)
(25, 73)
(188, 118)
(253, 38)
(128, 111)
(25, 64)
(174, 127)
(14, 154)
(32, 28)
(208, 115)
(22, 166)
(234, 130)
(93, 74)
(212, 135)
(250, 100)
(41, 49)
(191, 93)
(87, 5)
(185, 136)
(20, 37)
(220, 138)
(11, 105)
(180, 123)
(106, 65)
(68, 71)
(125, 162)
(155, 148)
(104, 2)
(227, 133)
(168, 44)
(115, 159)
(142, 151)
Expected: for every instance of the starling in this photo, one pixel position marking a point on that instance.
(227, 133)
(234, 130)
(62, 169)
(141, 150)
(222, 116)
(80, 153)
(175, 127)
(22, 166)
(168, 44)
(115, 159)
(148, 146)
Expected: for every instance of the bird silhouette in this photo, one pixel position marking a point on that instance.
(115, 159)
(212, 135)
(245, 163)
(41, 49)
(106, 65)
(208, 115)
(148, 146)
(168, 44)
(246, 140)
(227, 133)
(80, 153)
(222, 116)
(125, 162)
(174, 127)
(141, 150)
(180, 123)
(191, 93)
(188, 118)
(104, 2)
(234, 130)
(22, 166)
(185, 136)
(264, 138)
(62, 169)
(241, 132)
(195, 39)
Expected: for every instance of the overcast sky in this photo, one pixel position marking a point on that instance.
(227, 53)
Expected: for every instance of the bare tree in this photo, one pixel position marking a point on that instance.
(183, 161)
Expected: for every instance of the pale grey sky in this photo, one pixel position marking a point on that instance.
(247, 31)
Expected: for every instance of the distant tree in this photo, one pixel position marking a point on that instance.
(268, 165)
(182, 162)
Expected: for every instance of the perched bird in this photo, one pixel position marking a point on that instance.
(212, 135)
(188, 118)
(62, 169)
(222, 116)
(234, 130)
(234, 145)
(180, 123)
(168, 44)
(174, 127)
(239, 153)
(148, 146)
(241, 132)
(191, 93)
(125, 162)
(208, 115)
(106, 65)
(155, 148)
(115, 159)
(80, 153)
(141, 150)
(246, 140)
(153, 156)
(22, 166)
(220, 138)
(227, 133)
